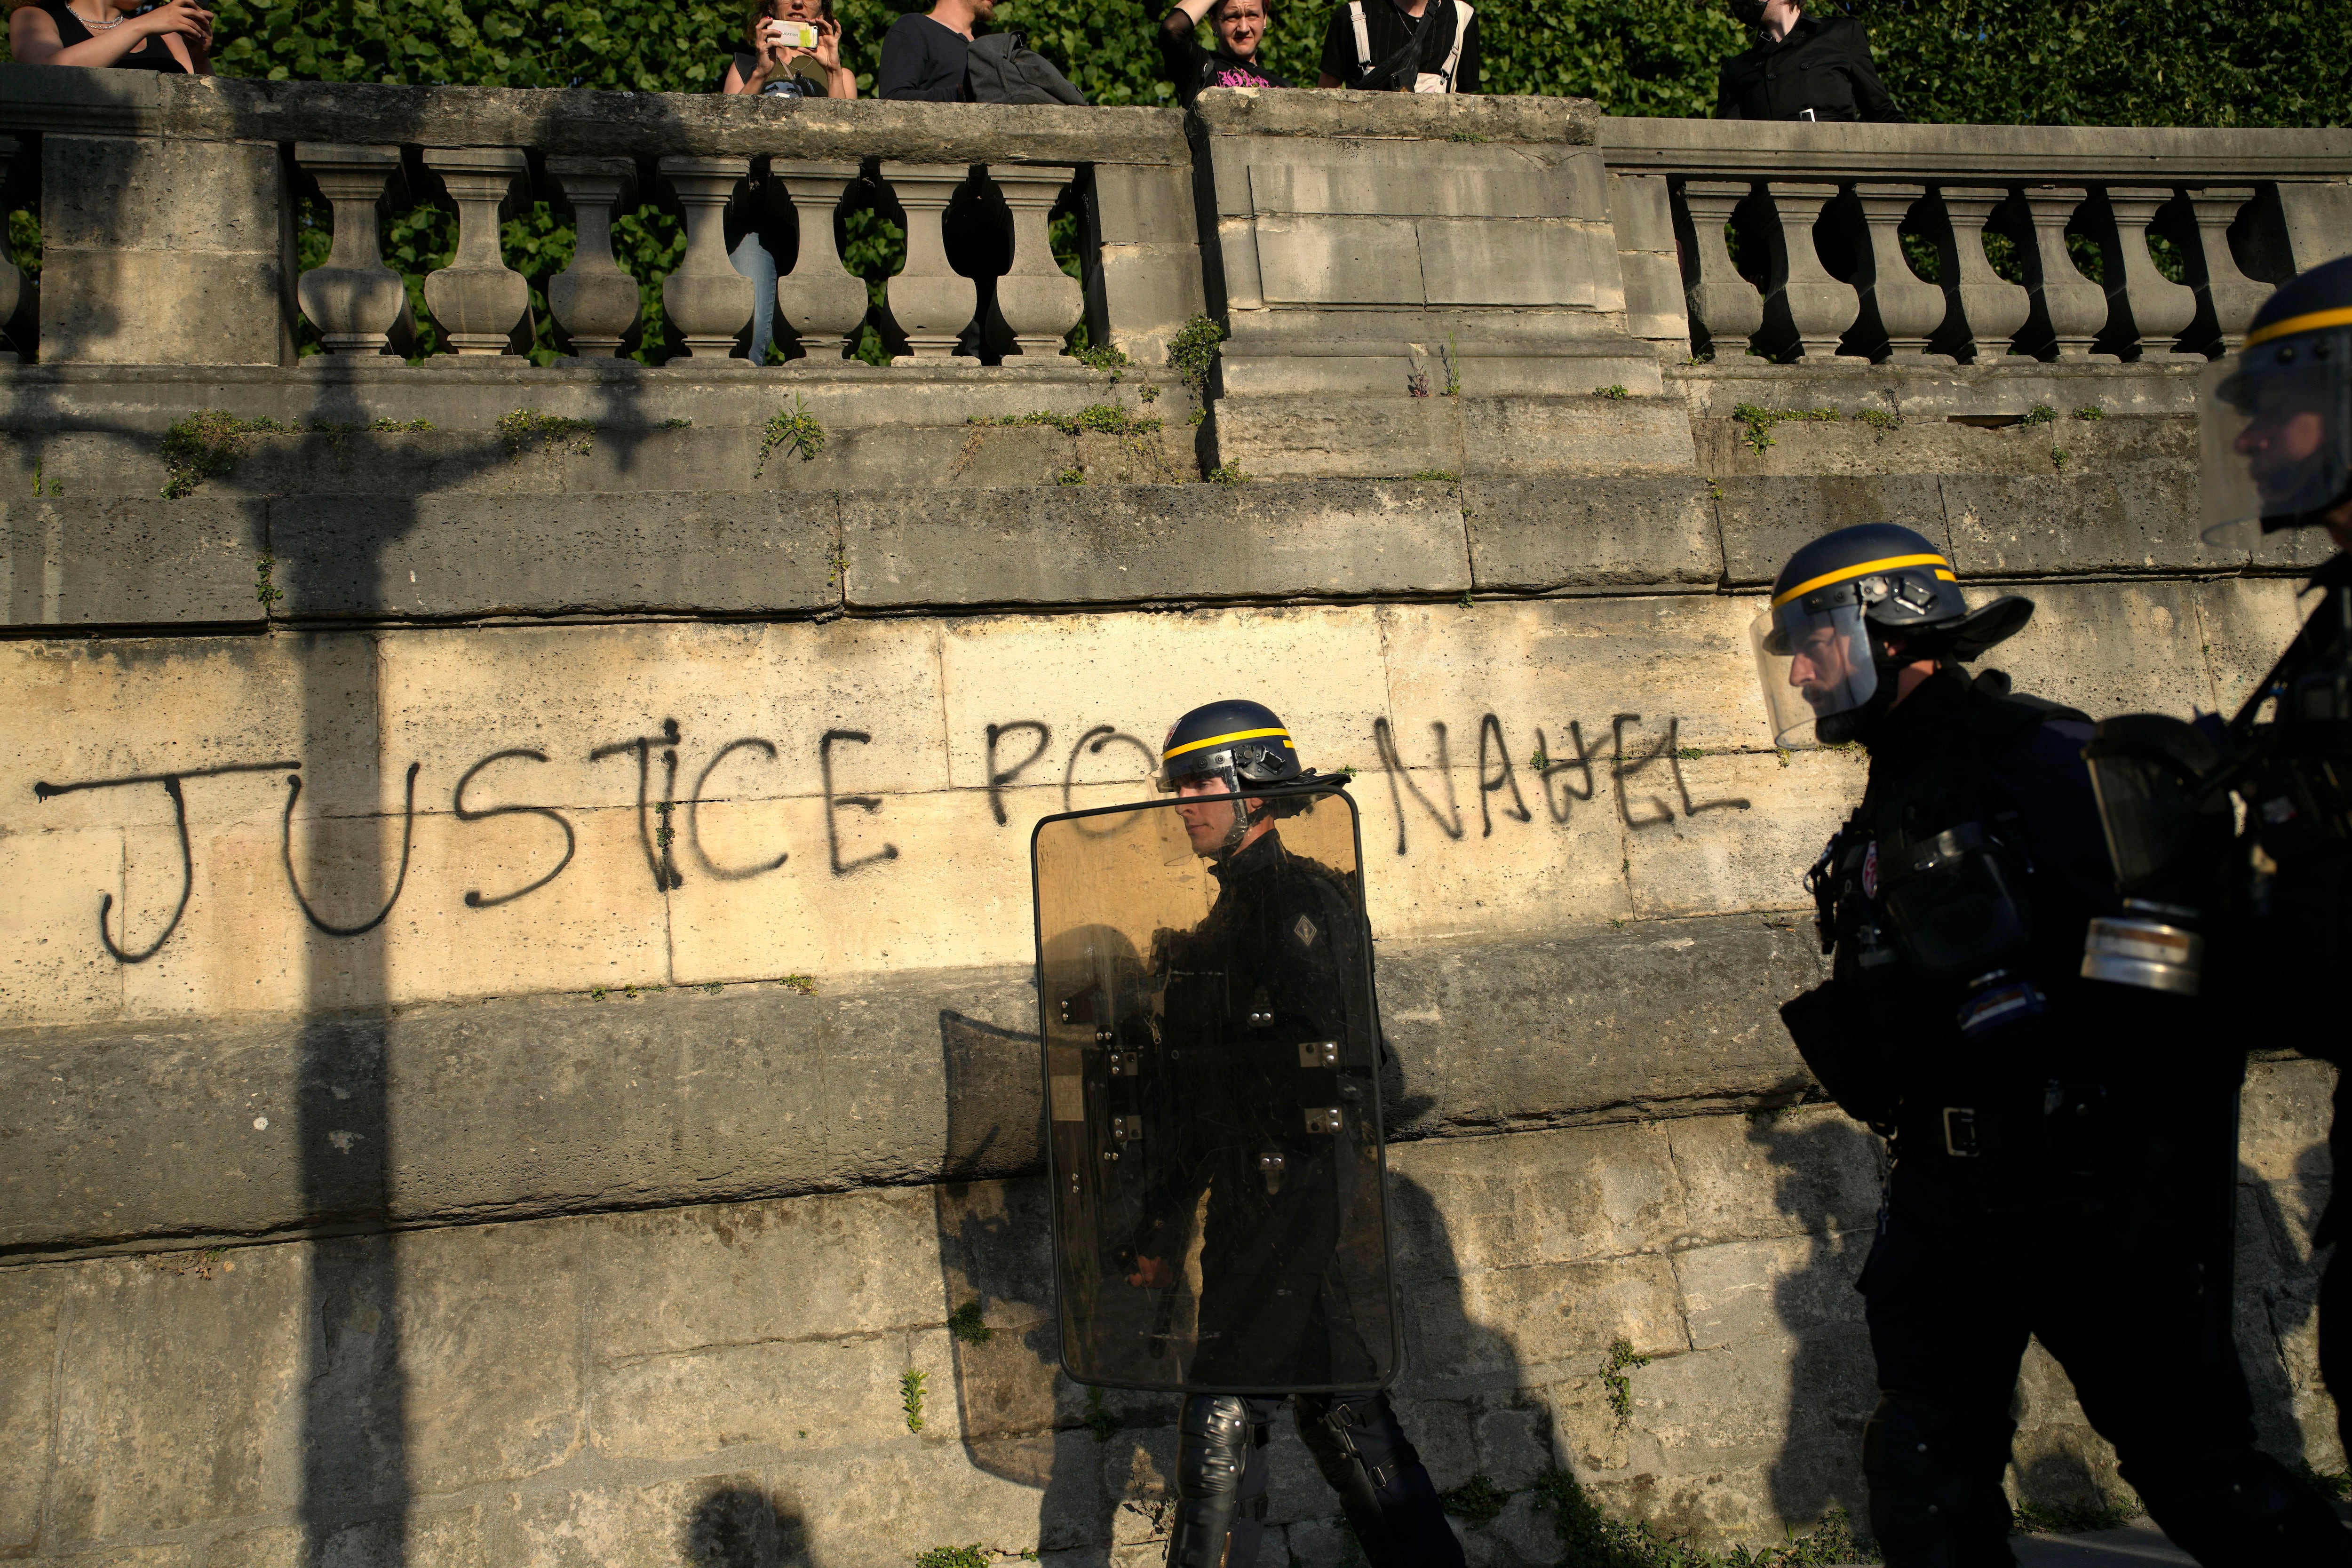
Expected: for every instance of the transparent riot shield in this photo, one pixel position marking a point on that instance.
(1211, 1083)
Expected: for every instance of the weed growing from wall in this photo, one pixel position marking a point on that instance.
(1476, 1502)
(798, 429)
(1226, 474)
(206, 444)
(910, 1398)
(1590, 1538)
(2040, 413)
(525, 428)
(972, 1556)
(1613, 1376)
(2090, 411)
(1614, 391)
(1099, 1420)
(965, 1324)
(1192, 352)
(267, 592)
(800, 982)
(1760, 420)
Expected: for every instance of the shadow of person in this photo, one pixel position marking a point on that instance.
(2277, 1297)
(1826, 1174)
(1020, 1419)
(732, 1525)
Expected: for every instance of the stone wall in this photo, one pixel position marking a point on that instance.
(516, 1030)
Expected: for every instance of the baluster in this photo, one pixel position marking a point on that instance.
(352, 298)
(820, 299)
(1038, 300)
(1898, 304)
(707, 300)
(1802, 298)
(12, 279)
(477, 300)
(2144, 305)
(593, 300)
(1726, 311)
(2229, 293)
(1992, 308)
(2071, 306)
(930, 302)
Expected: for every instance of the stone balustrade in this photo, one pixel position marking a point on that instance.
(129, 170)
(1822, 215)
(1362, 245)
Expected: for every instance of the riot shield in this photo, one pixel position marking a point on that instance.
(1211, 1059)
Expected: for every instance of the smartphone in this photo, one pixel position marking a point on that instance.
(792, 34)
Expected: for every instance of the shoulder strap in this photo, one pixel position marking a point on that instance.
(1462, 15)
(1363, 34)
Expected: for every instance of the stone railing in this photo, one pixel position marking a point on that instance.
(1822, 213)
(167, 208)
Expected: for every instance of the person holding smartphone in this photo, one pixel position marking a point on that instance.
(792, 50)
(177, 36)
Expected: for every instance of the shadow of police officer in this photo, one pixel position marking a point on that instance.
(2063, 1147)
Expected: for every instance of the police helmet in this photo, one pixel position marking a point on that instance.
(2277, 421)
(1821, 643)
(1226, 748)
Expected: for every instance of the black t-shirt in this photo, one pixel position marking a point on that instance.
(1192, 68)
(1390, 30)
(923, 60)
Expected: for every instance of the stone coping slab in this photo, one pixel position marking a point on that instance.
(623, 124)
(1481, 117)
(1997, 154)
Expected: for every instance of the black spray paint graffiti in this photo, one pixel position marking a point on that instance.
(1499, 773)
(171, 782)
(1564, 781)
(654, 831)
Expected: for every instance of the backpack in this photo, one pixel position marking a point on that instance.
(1004, 69)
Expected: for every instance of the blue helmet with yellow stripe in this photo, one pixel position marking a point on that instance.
(2276, 419)
(1246, 741)
(1853, 602)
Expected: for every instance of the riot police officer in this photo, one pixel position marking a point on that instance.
(2278, 456)
(1242, 1166)
(2063, 1158)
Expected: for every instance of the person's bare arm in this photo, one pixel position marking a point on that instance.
(32, 37)
(840, 81)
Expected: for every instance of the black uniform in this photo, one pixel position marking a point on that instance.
(1261, 973)
(2300, 925)
(2063, 1150)
(1822, 66)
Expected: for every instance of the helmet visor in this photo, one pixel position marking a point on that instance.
(2276, 428)
(1814, 661)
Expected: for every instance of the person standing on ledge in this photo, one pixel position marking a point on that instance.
(924, 56)
(1239, 26)
(1387, 46)
(1805, 68)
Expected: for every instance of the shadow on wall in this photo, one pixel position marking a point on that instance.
(1826, 1170)
(738, 1526)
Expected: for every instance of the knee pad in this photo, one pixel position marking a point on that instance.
(1214, 1437)
(2232, 1505)
(1935, 1499)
